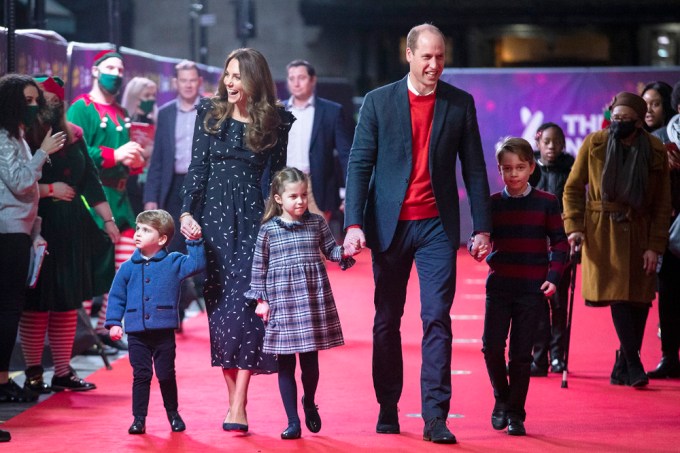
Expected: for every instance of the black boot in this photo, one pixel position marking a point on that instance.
(34, 380)
(636, 372)
(668, 367)
(176, 423)
(620, 372)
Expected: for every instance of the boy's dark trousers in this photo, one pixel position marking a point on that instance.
(552, 324)
(521, 310)
(157, 348)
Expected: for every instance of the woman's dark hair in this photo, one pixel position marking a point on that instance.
(13, 102)
(258, 84)
(664, 91)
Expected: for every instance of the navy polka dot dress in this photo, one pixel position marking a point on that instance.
(223, 191)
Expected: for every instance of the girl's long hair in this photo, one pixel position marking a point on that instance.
(284, 176)
(261, 106)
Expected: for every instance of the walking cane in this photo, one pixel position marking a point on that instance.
(575, 260)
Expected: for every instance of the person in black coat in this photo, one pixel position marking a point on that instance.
(552, 169)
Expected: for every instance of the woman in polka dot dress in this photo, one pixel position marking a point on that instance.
(239, 142)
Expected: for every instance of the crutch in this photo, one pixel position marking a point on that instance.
(575, 260)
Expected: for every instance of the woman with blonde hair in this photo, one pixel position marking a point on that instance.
(139, 99)
(239, 142)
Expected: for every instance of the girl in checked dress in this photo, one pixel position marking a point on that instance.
(294, 295)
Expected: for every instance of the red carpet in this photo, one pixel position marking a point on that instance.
(591, 415)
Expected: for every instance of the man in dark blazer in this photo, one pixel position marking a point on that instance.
(172, 147)
(402, 191)
(320, 139)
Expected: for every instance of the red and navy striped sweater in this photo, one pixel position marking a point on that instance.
(521, 259)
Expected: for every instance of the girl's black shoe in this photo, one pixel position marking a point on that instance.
(312, 418)
(293, 431)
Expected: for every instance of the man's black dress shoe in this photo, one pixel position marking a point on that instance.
(138, 426)
(293, 431)
(5, 436)
(499, 419)
(437, 432)
(235, 427)
(176, 422)
(516, 427)
(312, 418)
(388, 420)
(667, 368)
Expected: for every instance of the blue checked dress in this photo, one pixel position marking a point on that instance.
(223, 192)
(289, 273)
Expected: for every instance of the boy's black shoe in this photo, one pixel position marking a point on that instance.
(138, 426)
(34, 380)
(516, 427)
(437, 432)
(499, 419)
(176, 422)
(5, 436)
(388, 420)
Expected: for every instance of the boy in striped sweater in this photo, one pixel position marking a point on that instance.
(529, 253)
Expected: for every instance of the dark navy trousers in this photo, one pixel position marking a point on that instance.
(152, 348)
(425, 243)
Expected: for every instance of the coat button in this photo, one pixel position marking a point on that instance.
(147, 280)
(146, 316)
(146, 264)
(146, 298)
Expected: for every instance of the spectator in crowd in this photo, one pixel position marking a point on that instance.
(553, 165)
(139, 100)
(319, 140)
(657, 95)
(402, 190)
(239, 143)
(621, 221)
(669, 283)
(105, 127)
(66, 278)
(20, 171)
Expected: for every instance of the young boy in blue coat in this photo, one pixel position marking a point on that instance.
(146, 291)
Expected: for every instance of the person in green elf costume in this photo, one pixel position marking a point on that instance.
(105, 127)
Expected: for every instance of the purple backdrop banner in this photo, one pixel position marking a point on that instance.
(516, 101)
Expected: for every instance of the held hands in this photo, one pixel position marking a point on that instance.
(130, 154)
(480, 247)
(548, 288)
(355, 241)
(190, 227)
(649, 260)
(149, 205)
(116, 333)
(262, 310)
(53, 142)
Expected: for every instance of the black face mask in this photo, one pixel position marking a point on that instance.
(622, 129)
